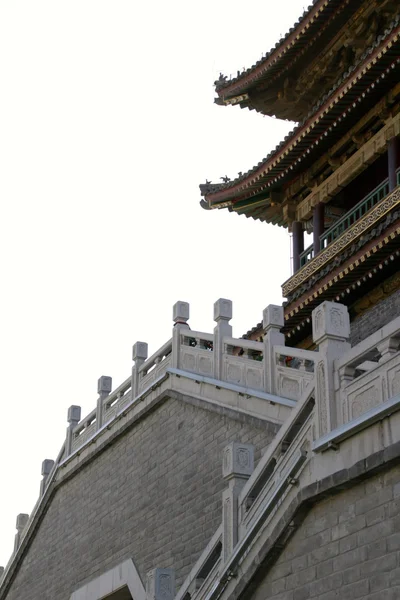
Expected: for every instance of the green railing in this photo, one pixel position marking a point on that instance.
(358, 211)
(307, 255)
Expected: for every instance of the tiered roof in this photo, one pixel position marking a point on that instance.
(321, 20)
(258, 193)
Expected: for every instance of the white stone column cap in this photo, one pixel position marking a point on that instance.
(273, 316)
(223, 309)
(160, 584)
(104, 384)
(21, 522)
(181, 312)
(140, 351)
(47, 466)
(330, 320)
(238, 460)
(74, 414)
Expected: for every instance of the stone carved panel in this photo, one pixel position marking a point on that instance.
(234, 374)
(364, 401)
(337, 320)
(243, 458)
(205, 365)
(290, 388)
(188, 362)
(254, 378)
(394, 382)
(238, 460)
(330, 319)
(160, 584)
(165, 586)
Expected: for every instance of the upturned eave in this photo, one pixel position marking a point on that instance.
(377, 68)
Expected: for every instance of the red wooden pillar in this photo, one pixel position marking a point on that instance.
(393, 161)
(298, 243)
(318, 225)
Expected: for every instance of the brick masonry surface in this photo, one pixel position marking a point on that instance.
(154, 496)
(348, 547)
(379, 315)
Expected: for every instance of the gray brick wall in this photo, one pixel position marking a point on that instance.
(379, 315)
(348, 547)
(154, 496)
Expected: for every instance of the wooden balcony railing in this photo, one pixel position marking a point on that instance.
(351, 217)
(336, 247)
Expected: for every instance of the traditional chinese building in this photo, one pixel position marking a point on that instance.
(336, 175)
(228, 468)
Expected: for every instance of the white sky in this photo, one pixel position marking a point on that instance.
(107, 127)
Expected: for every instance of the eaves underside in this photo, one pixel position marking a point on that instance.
(376, 73)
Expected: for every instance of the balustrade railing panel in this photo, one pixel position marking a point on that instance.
(301, 444)
(247, 363)
(350, 218)
(294, 371)
(371, 388)
(354, 214)
(196, 352)
(156, 371)
(246, 372)
(82, 434)
(369, 374)
(307, 255)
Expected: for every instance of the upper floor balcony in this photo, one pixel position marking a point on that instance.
(355, 218)
(350, 219)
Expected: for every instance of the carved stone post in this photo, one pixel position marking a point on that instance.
(104, 387)
(331, 331)
(47, 466)
(272, 322)
(140, 352)
(180, 316)
(22, 520)
(237, 466)
(222, 316)
(74, 416)
(160, 584)
(298, 243)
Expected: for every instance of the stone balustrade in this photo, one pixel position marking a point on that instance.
(329, 395)
(294, 371)
(259, 366)
(348, 381)
(155, 366)
(369, 374)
